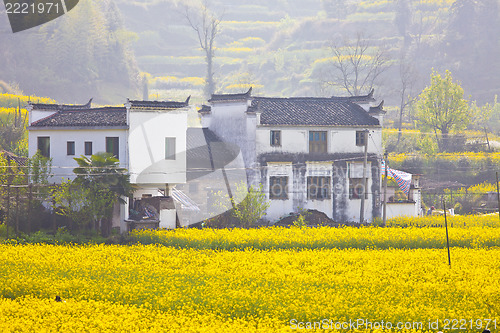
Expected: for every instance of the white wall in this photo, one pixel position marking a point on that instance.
(395, 209)
(63, 164)
(296, 139)
(147, 133)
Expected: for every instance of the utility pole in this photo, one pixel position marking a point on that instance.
(365, 182)
(386, 163)
(498, 197)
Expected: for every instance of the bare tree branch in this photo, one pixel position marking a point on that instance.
(207, 26)
(356, 68)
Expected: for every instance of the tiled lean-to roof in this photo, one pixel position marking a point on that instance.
(98, 117)
(306, 111)
(159, 104)
(59, 107)
(311, 112)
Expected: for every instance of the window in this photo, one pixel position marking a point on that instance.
(318, 188)
(317, 142)
(360, 138)
(88, 148)
(112, 146)
(278, 187)
(357, 188)
(170, 148)
(275, 138)
(70, 148)
(44, 145)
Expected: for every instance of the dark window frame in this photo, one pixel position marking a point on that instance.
(318, 141)
(275, 137)
(70, 148)
(361, 138)
(88, 148)
(113, 146)
(282, 182)
(43, 145)
(319, 187)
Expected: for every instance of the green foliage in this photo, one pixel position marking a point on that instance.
(441, 107)
(300, 222)
(253, 207)
(100, 183)
(73, 57)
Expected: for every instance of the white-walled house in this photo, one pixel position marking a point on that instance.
(306, 152)
(148, 138)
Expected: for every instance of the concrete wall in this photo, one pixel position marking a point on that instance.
(232, 124)
(63, 164)
(147, 133)
(395, 209)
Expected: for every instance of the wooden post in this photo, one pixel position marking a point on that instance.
(365, 162)
(386, 162)
(7, 218)
(9, 183)
(498, 197)
(487, 140)
(30, 198)
(447, 238)
(17, 211)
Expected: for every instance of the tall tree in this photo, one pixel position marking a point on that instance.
(357, 66)
(206, 24)
(106, 183)
(441, 107)
(407, 81)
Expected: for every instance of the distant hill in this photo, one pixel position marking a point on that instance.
(282, 47)
(80, 55)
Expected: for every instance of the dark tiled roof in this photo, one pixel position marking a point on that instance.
(311, 111)
(377, 109)
(99, 117)
(205, 109)
(58, 107)
(160, 104)
(357, 99)
(231, 97)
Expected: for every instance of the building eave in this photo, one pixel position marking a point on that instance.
(76, 128)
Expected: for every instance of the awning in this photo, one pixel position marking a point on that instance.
(185, 201)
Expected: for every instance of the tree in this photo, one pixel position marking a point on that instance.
(207, 26)
(357, 66)
(106, 184)
(441, 107)
(407, 81)
(252, 207)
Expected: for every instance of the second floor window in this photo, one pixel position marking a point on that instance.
(360, 138)
(112, 146)
(70, 148)
(44, 145)
(317, 142)
(275, 138)
(88, 148)
(170, 148)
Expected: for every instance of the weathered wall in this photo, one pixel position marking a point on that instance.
(300, 166)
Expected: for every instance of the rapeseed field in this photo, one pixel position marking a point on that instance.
(158, 288)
